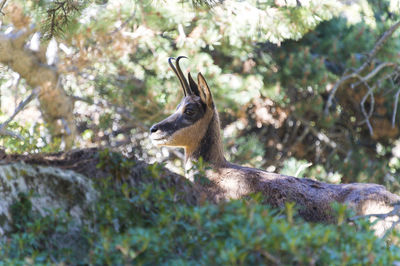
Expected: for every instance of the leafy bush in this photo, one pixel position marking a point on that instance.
(145, 224)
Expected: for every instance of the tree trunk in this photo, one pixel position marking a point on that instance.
(55, 105)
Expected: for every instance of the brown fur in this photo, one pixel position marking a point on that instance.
(196, 131)
(230, 181)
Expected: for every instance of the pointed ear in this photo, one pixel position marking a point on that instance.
(205, 93)
(193, 86)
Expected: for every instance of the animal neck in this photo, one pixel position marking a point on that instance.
(210, 147)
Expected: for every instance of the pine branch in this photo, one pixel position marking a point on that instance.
(206, 3)
(58, 16)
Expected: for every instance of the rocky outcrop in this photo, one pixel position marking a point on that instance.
(49, 188)
(66, 181)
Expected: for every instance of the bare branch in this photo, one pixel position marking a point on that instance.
(378, 46)
(394, 212)
(320, 135)
(3, 3)
(383, 216)
(368, 115)
(335, 88)
(391, 76)
(373, 73)
(5, 132)
(132, 16)
(393, 226)
(19, 108)
(396, 102)
(356, 73)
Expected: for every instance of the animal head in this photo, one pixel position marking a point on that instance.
(188, 124)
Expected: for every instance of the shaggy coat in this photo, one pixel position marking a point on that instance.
(195, 126)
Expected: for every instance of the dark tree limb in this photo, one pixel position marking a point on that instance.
(378, 46)
(395, 104)
(20, 107)
(371, 110)
(5, 132)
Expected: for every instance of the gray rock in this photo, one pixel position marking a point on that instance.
(51, 188)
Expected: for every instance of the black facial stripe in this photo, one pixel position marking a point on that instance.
(178, 121)
(181, 119)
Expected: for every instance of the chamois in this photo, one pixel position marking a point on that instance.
(195, 126)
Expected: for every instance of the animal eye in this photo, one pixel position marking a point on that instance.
(189, 112)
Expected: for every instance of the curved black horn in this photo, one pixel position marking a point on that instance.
(177, 70)
(181, 76)
(177, 74)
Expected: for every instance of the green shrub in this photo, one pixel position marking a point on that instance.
(145, 224)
